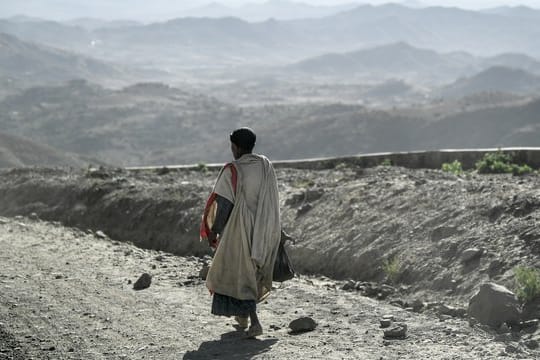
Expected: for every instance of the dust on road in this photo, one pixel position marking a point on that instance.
(67, 294)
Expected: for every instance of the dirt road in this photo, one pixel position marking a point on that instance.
(66, 294)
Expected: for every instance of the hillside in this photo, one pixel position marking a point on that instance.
(144, 123)
(153, 124)
(30, 64)
(19, 152)
(495, 79)
(401, 60)
(398, 60)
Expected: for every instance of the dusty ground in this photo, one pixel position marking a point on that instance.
(66, 295)
(348, 221)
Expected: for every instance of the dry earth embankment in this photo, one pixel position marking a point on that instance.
(348, 221)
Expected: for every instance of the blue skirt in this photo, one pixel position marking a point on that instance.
(228, 306)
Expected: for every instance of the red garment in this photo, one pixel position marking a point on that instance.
(210, 209)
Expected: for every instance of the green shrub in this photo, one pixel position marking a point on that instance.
(304, 183)
(202, 167)
(454, 167)
(386, 162)
(527, 283)
(501, 163)
(392, 268)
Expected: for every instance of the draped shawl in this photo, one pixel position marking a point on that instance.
(244, 259)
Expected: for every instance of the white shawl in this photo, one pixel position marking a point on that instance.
(244, 260)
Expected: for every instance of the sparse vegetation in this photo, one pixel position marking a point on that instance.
(304, 183)
(527, 283)
(392, 269)
(501, 163)
(454, 167)
(202, 167)
(386, 162)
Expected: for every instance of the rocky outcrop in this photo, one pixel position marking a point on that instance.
(494, 305)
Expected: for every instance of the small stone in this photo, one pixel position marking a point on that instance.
(511, 349)
(531, 344)
(529, 324)
(129, 282)
(388, 317)
(34, 216)
(302, 324)
(471, 254)
(444, 309)
(143, 282)
(385, 323)
(444, 318)
(71, 350)
(417, 305)
(304, 209)
(100, 234)
(349, 285)
(398, 331)
(58, 277)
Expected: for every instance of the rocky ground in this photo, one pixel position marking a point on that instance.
(67, 293)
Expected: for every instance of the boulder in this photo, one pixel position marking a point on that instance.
(143, 282)
(302, 324)
(494, 305)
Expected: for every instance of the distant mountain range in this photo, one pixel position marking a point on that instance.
(495, 79)
(206, 42)
(272, 9)
(31, 63)
(407, 62)
(145, 11)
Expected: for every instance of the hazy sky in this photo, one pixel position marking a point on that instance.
(460, 3)
(166, 9)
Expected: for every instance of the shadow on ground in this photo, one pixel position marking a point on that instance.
(232, 345)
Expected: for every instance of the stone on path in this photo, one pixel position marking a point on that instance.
(398, 331)
(302, 324)
(385, 323)
(143, 282)
(494, 305)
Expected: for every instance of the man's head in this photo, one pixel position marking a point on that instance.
(242, 141)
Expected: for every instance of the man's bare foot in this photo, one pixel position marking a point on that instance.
(254, 331)
(242, 321)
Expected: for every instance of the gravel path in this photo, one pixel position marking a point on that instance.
(67, 294)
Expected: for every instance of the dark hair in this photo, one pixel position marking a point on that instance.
(244, 138)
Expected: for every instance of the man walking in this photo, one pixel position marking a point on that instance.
(242, 222)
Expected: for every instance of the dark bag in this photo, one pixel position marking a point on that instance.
(283, 269)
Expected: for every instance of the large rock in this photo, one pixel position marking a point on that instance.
(494, 305)
(143, 282)
(302, 324)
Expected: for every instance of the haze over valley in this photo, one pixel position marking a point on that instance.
(313, 79)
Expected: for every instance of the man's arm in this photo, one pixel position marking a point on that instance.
(224, 208)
